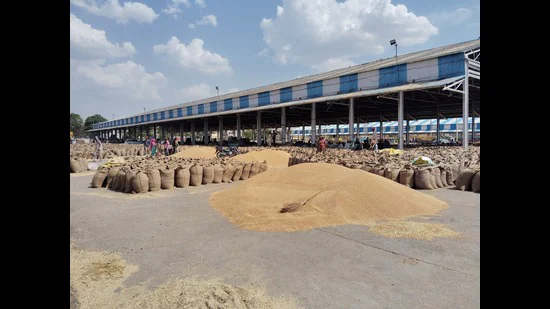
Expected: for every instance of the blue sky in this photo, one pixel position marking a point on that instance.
(126, 56)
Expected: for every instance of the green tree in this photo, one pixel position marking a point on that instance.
(76, 124)
(90, 121)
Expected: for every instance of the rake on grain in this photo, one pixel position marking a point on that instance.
(296, 205)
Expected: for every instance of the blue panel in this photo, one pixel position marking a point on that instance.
(263, 98)
(155, 116)
(285, 94)
(452, 127)
(348, 83)
(315, 89)
(149, 117)
(346, 130)
(171, 114)
(162, 115)
(477, 126)
(227, 104)
(418, 128)
(451, 65)
(180, 112)
(243, 101)
(200, 108)
(213, 107)
(331, 131)
(189, 110)
(378, 129)
(387, 77)
(441, 127)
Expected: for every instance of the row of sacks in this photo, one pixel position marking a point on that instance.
(87, 151)
(128, 179)
(78, 165)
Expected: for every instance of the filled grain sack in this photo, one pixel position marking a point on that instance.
(196, 175)
(183, 177)
(443, 176)
(119, 180)
(111, 175)
(406, 177)
(75, 166)
(140, 152)
(391, 173)
(153, 176)
(166, 179)
(254, 169)
(238, 172)
(422, 179)
(228, 173)
(218, 174)
(207, 174)
(99, 178)
(450, 178)
(83, 164)
(464, 180)
(437, 177)
(246, 171)
(129, 181)
(475, 183)
(432, 178)
(140, 182)
(365, 168)
(455, 168)
(263, 167)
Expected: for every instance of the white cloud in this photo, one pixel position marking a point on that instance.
(173, 9)
(87, 40)
(208, 19)
(202, 91)
(455, 17)
(192, 26)
(332, 64)
(200, 3)
(193, 56)
(130, 11)
(328, 33)
(127, 78)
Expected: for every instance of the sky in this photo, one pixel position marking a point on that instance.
(127, 56)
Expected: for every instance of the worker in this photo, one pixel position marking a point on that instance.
(358, 145)
(98, 149)
(147, 145)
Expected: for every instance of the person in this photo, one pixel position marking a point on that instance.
(167, 147)
(358, 145)
(386, 143)
(147, 145)
(322, 144)
(98, 149)
(153, 146)
(346, 145)
(175, 145)
(374, 145)
(340, 145)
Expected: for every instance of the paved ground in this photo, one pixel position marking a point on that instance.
(177, 234)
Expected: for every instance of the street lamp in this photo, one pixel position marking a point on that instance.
(144, 110)
(393, 42)
(218, 89)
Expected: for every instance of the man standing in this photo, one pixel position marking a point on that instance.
(98, 149)
(147, 145)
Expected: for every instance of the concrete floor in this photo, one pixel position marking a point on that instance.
(178, 234)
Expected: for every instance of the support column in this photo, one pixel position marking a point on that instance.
(337, 130)
(155, 131)
(358, 134)
(283, 125)
(171, 131)
(408, 129)
(351, 119)
(303, 132)
(162, 132)
(205, 132)
(259, 127)
(313, 124)
(465, 106)
(181, 132)
(381, 128)
(239, 127)
(192, 132)
(140, 134)
(437, 129)
(473, 123)
(220, 129)
(400, 111)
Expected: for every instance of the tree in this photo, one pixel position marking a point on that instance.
(76, 124)
(90, 121)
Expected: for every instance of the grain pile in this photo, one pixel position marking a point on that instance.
(415, 230)
(196, 152)
(348, 197)
(274, 158)
(97, 281)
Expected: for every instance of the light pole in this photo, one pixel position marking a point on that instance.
(218, 89)
(144, 110)
(393, 42)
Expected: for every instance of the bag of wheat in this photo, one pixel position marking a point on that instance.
(437, 177)
(455, 168)
(129, 181)
(246, 171)
(450, 178)
(153, 176)
(166, 179)
(140, 183)
(99, 178)
(263, 167)
(406, 177)
(238, 172)
(183, 177)
(75, 166)
(475, 183)
(391, 173)
(228, 173)
(443, 176)
(119, 180)
(422, 179)
(196, 175)
(83, 164)
(111, 175)
(464, 180)
(207, 174)
(218, 174)
(254, 169)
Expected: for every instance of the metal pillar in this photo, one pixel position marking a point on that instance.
(162, 132)
(437, 129)
(171, 131)
(140, 133)
(259, 127)
(313, 130)
(473, 123)
(337, 130)
(192, 132)
(181, 132)
(357, 128)
(283, 125)
(408, 129)
(155, 131)
(465, 106)
(400, 111)
(381, 128)
(205, 132)
(220, 129)
(351, 119)
(303, 132)
(239, 127)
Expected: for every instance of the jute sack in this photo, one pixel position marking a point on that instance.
(140, 182)
(443, 176)
(140, 152)
(432, 178)
(75, 166)
(119, 180)
(183, 177)
(99, 178)
(263, 167)
(207, 174)
(246, 171)
(391, 173)
(129, 181)
(455, 168)
(167, 179)
(422, 179)
(153, 176)
(111, 175)
(238, 172)
(83, 164)
(254, 169)
(406, 177)
(464, 180)
(475, 183)
(228, 173)
(196, 175)
(218, 174)
(450, 178)
(365, 168)
(437, 177)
